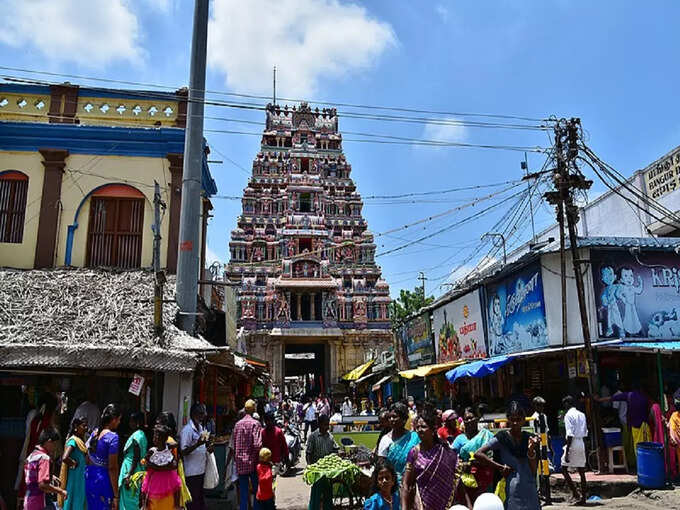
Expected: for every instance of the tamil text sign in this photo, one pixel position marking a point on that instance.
(459, 329)
(663, 177)
(417, 341)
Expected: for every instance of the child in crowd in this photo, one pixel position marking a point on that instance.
(162, 485)
(37, 471)
(386, 492)
(265, 481)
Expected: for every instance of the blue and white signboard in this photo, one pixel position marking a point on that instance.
(516, 313)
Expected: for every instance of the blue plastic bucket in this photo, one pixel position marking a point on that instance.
(651, 468)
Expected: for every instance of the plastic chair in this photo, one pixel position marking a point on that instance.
(622, 452)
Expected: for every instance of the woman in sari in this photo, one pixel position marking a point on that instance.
(133, 452)
(516, 457)
(430, 474)
(72, 474)
(167, 419)
(396, 444)
(476, 477)
(101, 474)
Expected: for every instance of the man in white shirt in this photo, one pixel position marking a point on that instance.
(310, 417)
(347, 407)
(575, 450)
(192, 441)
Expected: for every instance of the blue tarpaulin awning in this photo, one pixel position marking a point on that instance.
(668, 345)
(479, 368)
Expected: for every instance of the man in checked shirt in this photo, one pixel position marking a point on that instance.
(247, 442)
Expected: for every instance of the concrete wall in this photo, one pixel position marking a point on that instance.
(22, 255)
(177, 393)
(552, 294)
(84, 173)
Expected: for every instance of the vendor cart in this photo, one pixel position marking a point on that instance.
(339, 481)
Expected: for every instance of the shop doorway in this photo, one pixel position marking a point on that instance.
(305, 368)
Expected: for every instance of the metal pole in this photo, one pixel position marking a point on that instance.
(159, 277)
(274, 95)
(531, 205)
(190, 213)
(563, 271)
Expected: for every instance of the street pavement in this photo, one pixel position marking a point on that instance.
(291, 492)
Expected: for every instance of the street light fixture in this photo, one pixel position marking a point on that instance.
(502, 237)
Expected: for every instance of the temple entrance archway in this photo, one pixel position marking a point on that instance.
(307, 363)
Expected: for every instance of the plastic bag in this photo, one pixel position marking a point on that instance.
(500, 489)
(212, 476)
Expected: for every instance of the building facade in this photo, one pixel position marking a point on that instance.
(77, 172)
(303, 254)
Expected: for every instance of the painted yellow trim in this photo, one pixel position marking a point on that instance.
(28, 113)
(128, 117)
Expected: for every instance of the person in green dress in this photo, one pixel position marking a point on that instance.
(72, 474)
(133, 452)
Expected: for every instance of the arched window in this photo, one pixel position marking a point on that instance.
(114, 235)
(13, 192)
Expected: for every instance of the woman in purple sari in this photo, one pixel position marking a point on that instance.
(101, 474)
(430, 475)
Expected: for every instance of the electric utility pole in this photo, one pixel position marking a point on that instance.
(567, 179)
(159, 276)
(190, 212)
(422, 278)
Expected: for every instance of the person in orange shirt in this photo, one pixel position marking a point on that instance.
(265, 481)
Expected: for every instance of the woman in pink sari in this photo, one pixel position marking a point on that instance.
(658, 422)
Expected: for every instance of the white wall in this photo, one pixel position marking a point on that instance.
(177, 391)
(552, 295)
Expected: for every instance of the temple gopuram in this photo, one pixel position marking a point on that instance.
(311, 300)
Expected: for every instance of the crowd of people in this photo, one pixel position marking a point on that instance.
(425, 457)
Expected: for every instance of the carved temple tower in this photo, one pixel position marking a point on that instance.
(303, 255)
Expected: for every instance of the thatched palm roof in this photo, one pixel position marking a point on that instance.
(89, 318)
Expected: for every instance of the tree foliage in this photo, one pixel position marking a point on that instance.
(408, 303)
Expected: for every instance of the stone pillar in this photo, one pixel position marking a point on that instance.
(299, 306)
(277, 362)
(54, 161)
(312, 306)
(334, 348)
(175, 192)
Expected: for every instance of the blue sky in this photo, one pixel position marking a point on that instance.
(612, 63)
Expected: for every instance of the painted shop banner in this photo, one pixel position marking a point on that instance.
(459, 329)
(637, 297)
(516, 313)
(416, 338)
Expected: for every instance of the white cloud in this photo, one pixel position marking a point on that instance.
(443, 12)
(446, 130)
(91, 33)
(212, 256)
(160, 5)
(306, 40)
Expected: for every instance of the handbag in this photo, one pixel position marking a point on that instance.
(212, 476)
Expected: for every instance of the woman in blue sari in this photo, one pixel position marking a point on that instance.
(396, 445)
(101, 474)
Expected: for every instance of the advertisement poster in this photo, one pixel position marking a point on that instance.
(459, 329)
(637, 296)
(417, 341)
(516, 313)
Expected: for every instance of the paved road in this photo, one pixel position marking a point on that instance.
(291, 492)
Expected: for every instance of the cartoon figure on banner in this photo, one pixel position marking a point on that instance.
(610, 300)
(664, 325)
(496, 323)
(628, 292)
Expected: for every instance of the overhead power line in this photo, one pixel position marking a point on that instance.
(255, 96)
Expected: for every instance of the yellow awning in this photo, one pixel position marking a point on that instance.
(427, 370)
(357, 372)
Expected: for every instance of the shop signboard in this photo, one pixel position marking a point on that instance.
(459, 329)
(637, 295)
(516, 313)
(416, 339)
(663, 176)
